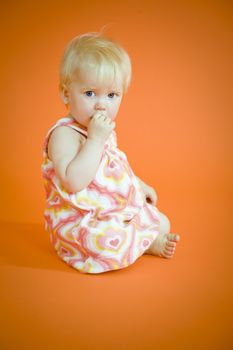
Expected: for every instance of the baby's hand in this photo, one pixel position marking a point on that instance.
(149, 193)
(100, 127)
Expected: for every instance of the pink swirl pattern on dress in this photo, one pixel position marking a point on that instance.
(106, 226)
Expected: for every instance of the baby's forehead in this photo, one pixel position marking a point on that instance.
(94, 80)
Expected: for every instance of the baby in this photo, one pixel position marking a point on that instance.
(99, 215)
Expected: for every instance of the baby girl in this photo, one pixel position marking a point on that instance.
(99, 215)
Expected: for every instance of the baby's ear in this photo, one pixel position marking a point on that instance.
(64, 94)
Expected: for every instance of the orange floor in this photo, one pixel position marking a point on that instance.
(175, 126)
(184, 303)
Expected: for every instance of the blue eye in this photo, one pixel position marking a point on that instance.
(89, 93)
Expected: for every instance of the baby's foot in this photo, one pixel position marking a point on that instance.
(164, 245)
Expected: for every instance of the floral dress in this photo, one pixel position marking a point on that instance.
(107, 225)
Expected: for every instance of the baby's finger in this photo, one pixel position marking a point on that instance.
(102, 117)
(97, 115)
(109, 120)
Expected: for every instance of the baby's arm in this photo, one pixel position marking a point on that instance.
(140, 181)
(76, 166)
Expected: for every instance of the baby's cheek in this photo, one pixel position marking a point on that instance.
(74, 106)
(114, 112)
(85, 110)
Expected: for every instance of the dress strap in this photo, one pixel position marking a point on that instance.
(74, 125)
(81, 131)
(64, 121)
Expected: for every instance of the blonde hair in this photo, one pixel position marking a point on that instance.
(88, 51)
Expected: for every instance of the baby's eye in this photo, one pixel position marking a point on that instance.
(111, 95)
(89, 93)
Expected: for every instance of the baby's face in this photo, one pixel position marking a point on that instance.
(87, 96)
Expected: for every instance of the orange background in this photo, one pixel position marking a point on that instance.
(175, 125)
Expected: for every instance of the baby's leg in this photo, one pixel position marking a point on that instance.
(165, 243)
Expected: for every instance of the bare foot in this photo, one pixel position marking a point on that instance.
(164, 245)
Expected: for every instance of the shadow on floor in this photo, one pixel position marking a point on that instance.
(28, 245)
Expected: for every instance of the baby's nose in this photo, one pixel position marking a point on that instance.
(100, 106)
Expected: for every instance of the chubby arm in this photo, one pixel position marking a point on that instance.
(75, 166)
(140, 181)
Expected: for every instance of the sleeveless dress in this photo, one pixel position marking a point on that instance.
(107, 225)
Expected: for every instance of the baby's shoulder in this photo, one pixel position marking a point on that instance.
(64, 138)
(64, 132)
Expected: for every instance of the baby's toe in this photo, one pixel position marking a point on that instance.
(168, 251)
(167, 255)
(169, 248)
(170, 244)
(172, 237)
